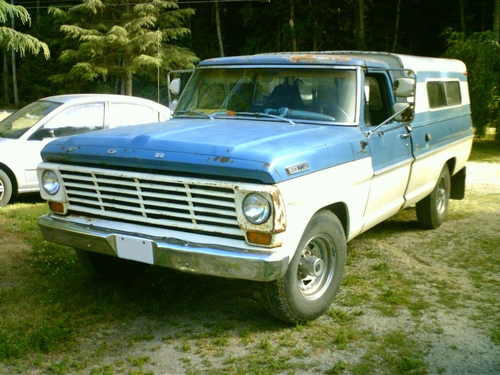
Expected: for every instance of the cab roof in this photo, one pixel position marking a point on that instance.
(367, 59)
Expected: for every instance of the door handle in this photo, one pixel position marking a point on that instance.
(404, 136)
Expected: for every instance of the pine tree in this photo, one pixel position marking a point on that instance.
(12, 39)
(117, 39)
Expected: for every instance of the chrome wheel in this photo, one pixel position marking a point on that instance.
(316, 267)
(441, 196)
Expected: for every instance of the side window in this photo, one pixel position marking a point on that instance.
(123, 114)
(77, 119)
(443, 94)
(377, 102)
(453, 93)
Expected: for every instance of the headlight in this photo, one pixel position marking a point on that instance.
(50, 182)
(256, 208)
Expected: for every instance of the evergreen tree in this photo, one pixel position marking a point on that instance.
(119, 39)
(12, 39)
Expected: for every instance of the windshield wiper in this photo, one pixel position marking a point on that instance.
(268, 115)
(195, 113)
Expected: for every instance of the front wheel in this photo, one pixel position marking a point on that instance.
(5, 188)
(431, 211)
(314, 274)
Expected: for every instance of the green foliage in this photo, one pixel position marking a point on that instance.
(12, 39)
(104, 41)
(481, 54)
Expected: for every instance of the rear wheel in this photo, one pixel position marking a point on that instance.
(5, 188)
(431, 211)
(110, 267)
(314, 274)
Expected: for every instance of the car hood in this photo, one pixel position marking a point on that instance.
(254, 150)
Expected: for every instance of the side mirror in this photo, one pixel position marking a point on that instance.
(42, 134)
(403, 112)
(175, 86)
(173, 105)
(404, 87)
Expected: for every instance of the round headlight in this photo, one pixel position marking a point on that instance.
(256, 208)
(50, 182)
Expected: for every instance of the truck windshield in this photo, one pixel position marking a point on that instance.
(299, 94)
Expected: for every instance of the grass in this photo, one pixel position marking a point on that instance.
(56, 319)
(486, 149)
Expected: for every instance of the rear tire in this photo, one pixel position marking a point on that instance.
(431, 211)
(110, 267)
(314, 274)
(5, 189)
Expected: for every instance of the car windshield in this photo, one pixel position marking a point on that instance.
(290, 93)
(21, 121)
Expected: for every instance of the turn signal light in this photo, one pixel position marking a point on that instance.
(56, 207)
(259, 238)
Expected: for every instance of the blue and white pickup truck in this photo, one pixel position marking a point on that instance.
(271, 164)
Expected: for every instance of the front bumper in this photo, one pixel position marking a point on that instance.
(215, 260)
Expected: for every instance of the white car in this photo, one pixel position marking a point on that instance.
(24, 133)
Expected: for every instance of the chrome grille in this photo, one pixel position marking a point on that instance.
(165, 201)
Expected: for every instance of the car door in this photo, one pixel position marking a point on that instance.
(76, 119)
(390, 149)
(125, 114)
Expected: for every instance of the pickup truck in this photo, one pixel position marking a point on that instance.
(270, 165)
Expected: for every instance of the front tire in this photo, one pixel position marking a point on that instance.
(431, 211)
(314, 274)
(110, 267)
(5, 188)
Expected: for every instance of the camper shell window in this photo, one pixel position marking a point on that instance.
(443, 94)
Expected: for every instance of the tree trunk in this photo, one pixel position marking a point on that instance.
(361, 31)
(292, 25)
(5, 75)
(219, 33)
(462, 15)
(128, 83)
(315, 27)
(396, 29)
(496, 20)
(14, 67)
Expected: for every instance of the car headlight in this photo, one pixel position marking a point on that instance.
(256, 208)
(50, 182)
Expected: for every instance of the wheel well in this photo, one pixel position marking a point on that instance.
(451, 165)
(11, 175)
(340, 210)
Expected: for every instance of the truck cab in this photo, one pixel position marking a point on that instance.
(270, 165)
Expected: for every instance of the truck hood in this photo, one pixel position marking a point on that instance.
(254, 149)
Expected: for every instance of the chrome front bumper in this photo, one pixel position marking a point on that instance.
(173, 253)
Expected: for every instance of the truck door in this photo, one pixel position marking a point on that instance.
(390, 150)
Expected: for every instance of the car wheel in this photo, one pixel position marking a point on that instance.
(431, 211)
(110, 267)
(5, 188)
(314, 274)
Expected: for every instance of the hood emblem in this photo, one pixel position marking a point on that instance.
(111, 151)
(297, 168)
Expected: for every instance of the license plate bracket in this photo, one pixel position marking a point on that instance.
(135, 249)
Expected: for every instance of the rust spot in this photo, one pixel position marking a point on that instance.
(315, 58)
(280, 221)
(265, 165)
(224, 160)
(216, 158)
